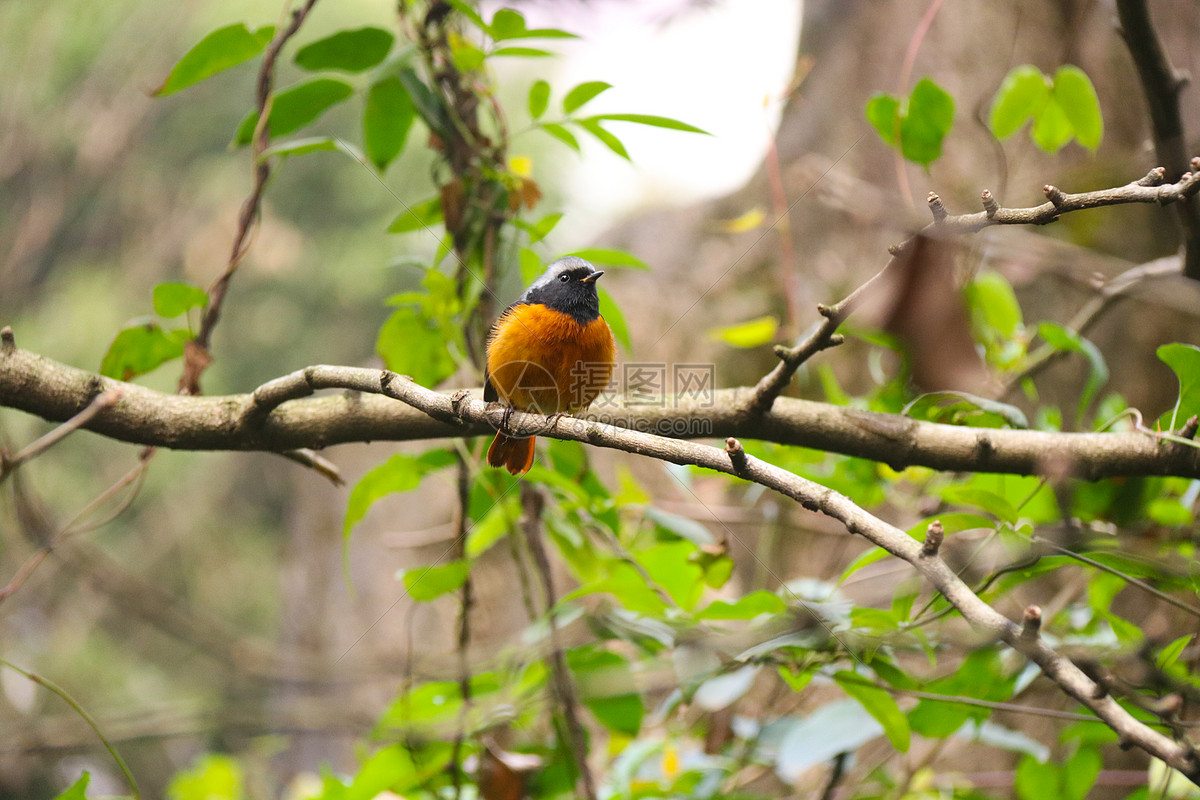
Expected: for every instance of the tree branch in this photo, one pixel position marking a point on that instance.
(1148, 189)
(1162, 84)
(238, 422)
(281, 415)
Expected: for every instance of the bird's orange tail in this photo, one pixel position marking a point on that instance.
(515, 455)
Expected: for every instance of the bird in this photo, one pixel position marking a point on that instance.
(550, 352)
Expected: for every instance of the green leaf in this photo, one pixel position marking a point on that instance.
(173, 299)
(539, 99)
(531, 267)
(1170, 654)
(606, 138)
(883, 112)
(418, 216)
(1052, 129)
(388, 770)
(522, 52)
(561, 133)
(141, 348)
(467, 10)
(77, 790)
(387, 119)
(541, 229)
(1020, 98)
(412, 344)
(615, 319)
(880, 705)
(1184, 361)
(427, 102)
(669, 567)
(747, 607)
(429, 583)
(993, 303)
(212, 777)
(400, 473)
(753, 333)
(223, 48)
(510, 24)
(312, 144)
(583, 93)
(1063, 339)
(1075, 95)
(1080, 773)
(297, 106)
(936, 719)
(607, 688)
(507, 24)
(609, 257)
(927, 120)
(992, 503)
(1035, 780)
(647, 119)
(348, 51)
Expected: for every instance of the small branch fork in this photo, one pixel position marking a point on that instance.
(1148, 189)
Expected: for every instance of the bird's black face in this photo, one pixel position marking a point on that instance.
(569, 286)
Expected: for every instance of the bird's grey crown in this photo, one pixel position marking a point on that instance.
(572, 264)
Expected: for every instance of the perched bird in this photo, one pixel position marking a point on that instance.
(550, 352)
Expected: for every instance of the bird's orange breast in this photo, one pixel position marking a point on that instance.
(543, 360)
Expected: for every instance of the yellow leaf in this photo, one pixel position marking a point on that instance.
(753, 333)
(521, 166)
(746, 222)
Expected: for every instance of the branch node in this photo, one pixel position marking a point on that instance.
(835, 339)
(782, 353)
(824, 310)
(1033, 623)
(1190, 427)
(1154, 177)
(937, 208)
(8, 342)
(1055, 195)
(895, 249)
(457, 399)
(990, 206)
(934, 535)
(737, 455)
(1125, 743)
(1194, 164)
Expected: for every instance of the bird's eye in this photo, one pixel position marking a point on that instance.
(564, 277)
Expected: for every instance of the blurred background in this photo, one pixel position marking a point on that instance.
(212, 614)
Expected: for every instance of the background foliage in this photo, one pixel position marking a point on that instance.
(243, 630)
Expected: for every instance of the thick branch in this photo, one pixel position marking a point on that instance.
(281, 416)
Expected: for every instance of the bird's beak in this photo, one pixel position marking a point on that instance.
(595, 276)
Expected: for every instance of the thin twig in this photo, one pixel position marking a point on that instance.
(196, 355)
(464, 621)
(532, 501)
(66, 698)
(1148, 189)
(44, 443)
